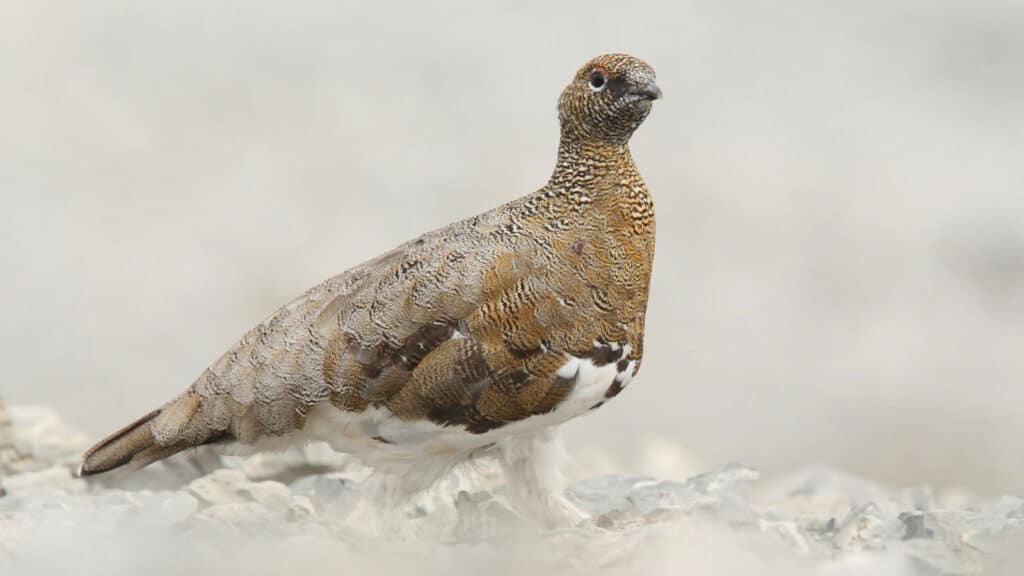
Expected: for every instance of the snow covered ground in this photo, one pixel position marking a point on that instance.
(301, 512)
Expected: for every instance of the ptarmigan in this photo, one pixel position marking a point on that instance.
(478, 338)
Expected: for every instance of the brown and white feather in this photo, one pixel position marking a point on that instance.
(531, 312)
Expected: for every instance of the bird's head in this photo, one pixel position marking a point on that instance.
(607, 99)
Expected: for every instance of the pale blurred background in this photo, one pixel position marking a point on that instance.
(839, 185)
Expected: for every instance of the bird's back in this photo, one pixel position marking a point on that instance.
(465, 326)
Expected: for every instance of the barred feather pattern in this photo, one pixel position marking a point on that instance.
(473, 326)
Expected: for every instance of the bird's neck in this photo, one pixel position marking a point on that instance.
(597, 177)
(584, 164)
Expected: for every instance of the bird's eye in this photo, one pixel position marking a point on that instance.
(597, 80)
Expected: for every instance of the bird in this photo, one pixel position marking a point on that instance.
(476, 339)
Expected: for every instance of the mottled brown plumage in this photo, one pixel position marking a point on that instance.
(467, 326)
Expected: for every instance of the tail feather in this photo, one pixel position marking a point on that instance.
(153, 437)
(120, 447)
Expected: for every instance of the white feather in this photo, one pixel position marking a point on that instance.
(418, 452)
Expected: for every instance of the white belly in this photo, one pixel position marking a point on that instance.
(378, 437)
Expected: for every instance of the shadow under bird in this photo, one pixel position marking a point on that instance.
(476, 339)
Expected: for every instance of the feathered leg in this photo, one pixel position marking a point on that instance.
(535, 484)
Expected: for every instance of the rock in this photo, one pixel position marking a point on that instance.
(322, 488)
(865, 527)
(306, 511)
(33, 438)
(52, 479)
(231, 496)
(915, 524)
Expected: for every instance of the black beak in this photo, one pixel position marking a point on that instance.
(649, 91)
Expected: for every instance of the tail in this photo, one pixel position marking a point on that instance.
(155, 436)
